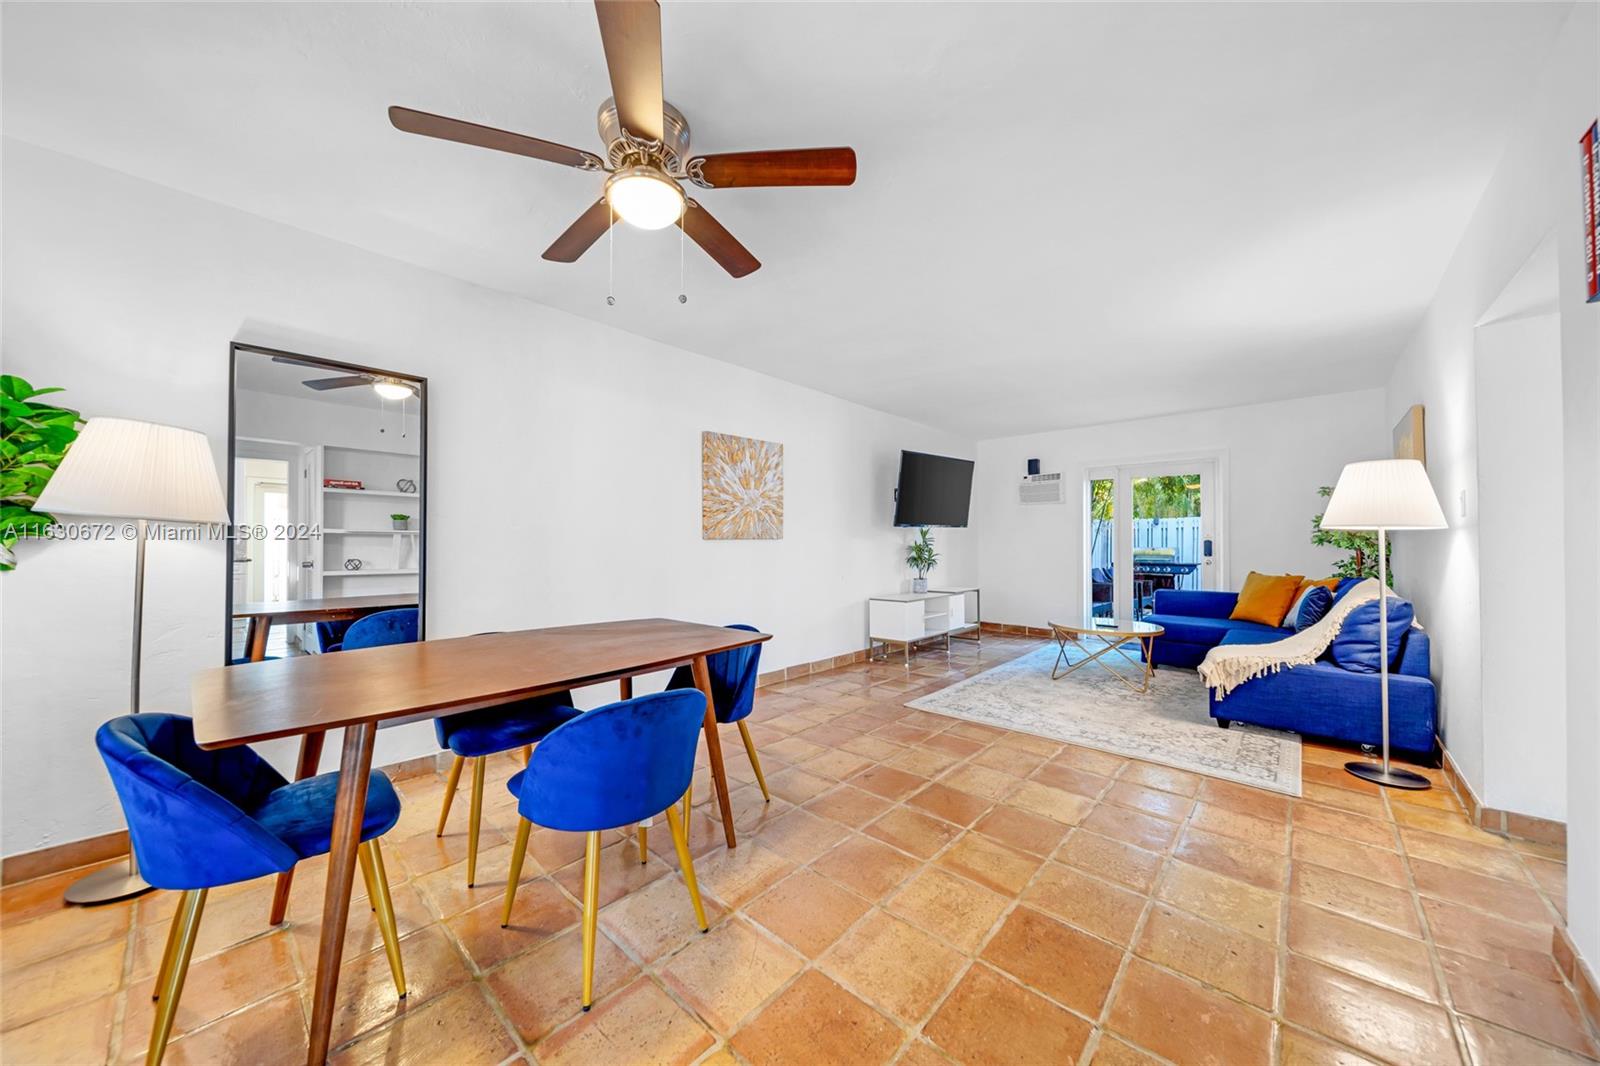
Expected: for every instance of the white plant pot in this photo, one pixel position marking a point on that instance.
(919, 584)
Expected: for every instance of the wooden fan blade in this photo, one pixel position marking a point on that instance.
(785, 166)
(324, 384)
(719, 244)
(581, 234)
(454, 129)
(630, 31)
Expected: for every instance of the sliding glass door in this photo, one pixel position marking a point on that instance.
(1150, 526)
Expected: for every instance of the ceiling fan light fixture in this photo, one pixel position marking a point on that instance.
(644, 197)
(393, 390)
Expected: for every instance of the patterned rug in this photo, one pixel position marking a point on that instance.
(1170, 724)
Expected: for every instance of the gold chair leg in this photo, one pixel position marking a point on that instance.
(755, 762)
(688, 798)
(185, 923)
(383, 873)
(527, 754)
(449, 793)
(167, 955)
(518, 851)
(591, 913)
(383, 905)
(477, 819)
(644, 843)
(680, 841)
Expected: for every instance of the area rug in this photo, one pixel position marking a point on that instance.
(1171, 724)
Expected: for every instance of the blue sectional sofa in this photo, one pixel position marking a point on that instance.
(1196, 622)
(1321, 700)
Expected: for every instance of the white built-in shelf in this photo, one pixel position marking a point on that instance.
(376, 532)
(372, 492)
(367, 572)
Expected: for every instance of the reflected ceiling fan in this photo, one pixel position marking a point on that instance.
(647, 150)
(389, 388)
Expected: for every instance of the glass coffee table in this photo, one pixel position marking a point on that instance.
(1115, 634)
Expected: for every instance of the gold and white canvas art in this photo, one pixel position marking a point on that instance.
(741, 488)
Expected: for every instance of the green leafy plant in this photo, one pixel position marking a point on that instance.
(1362, 546)
(1166, 496)
(34, 436)
(1100, 511)
(920, 555)
(401, 517)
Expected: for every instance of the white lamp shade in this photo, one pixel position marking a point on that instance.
(1383, 494)
(118, 468)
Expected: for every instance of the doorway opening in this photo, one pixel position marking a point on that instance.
(1151, 526)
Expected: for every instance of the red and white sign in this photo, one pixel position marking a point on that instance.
(1591, 209)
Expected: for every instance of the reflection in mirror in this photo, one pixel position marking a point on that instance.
(326, 469)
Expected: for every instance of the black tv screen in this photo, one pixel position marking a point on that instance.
(935, 490)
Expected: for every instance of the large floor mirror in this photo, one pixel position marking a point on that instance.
(327, 472)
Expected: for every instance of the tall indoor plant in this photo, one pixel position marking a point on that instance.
(1362, 546)
(34, 436)
(921, 557)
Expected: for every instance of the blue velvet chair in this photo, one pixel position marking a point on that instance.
(330, 635)
(383, 627)
(733, 693)
(475, 735)
(610, 767)
(199, 819)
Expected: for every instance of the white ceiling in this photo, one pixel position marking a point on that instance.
(1066, 214)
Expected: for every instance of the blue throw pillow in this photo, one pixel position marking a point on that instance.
(1316, 603)
(1356, 646)
(1345, 585)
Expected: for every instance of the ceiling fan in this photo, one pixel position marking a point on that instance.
(647, 150)
(390, 388)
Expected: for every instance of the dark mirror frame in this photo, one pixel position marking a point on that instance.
(235, 348)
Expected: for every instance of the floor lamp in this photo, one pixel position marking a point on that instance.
(143, 473)
(1380, 496)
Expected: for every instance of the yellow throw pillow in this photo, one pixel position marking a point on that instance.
(1329, 583)
(1266, 597)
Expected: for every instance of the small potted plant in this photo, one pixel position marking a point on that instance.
(400, 520)
(921, 557)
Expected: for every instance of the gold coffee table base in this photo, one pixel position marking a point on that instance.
(1116, 636)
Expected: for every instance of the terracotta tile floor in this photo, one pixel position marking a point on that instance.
(919, 890)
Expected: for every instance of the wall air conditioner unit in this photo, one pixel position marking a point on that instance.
(1041, 488)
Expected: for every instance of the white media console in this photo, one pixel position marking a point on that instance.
(906, 619)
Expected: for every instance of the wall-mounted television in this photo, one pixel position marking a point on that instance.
(934, 490)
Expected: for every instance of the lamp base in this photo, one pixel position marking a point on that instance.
(1391, 778)
(107, 886)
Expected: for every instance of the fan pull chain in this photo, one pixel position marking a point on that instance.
(611, 258)
(683, 297)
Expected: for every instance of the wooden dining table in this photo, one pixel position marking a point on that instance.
(264, 615)
(357, 691)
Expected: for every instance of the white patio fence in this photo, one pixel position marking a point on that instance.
(1181, 535)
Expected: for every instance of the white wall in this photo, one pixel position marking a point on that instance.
(564, 462)
(1523, 575)
(1534, 192)
(1275, 456)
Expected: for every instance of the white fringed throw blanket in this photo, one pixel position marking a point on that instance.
(1228, 666)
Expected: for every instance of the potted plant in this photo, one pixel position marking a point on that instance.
(34, 437)
(400, 520)
(921, 557)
